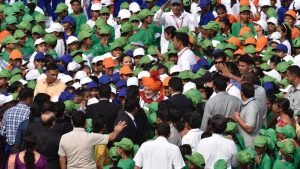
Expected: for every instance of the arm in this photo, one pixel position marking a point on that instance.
(158, 17)
(136, 167)
(63, 162)
(242, 123)
(206, 116)
(118, 128)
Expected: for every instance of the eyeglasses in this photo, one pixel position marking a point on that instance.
(220, 62)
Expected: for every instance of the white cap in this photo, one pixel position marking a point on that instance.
(97, 59)
(275, 36)
(138, 52)
(55, 27)
(32, 74)
(60, 76)
(85, 80)
(96, 7)
(273, 20)
(215, 43)
(72, 39)
(285, 90)
(134, 7)
(66, 79)
(295, 5)
(24, 82)
(76, 85)
(262, 23)
(163, 77)
(80, 74)
(188, 86)
(106, 3)
(92, 101)
(113, 89)
(132, 81)
(262, 3)
(276, 41)
(5, 99)
(273, 73)
(175, 69)
(297, 22)
(39, 41)
(73, 66)
(42, 76)
(143, 74)
(124, 14)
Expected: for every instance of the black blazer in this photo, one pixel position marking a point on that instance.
(130, 131)
(184, 104)
(107, 110)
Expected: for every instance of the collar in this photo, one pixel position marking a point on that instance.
(222, 93)
(130, 115)
(78, 129)
(52, 84)
(103, 99)
(182, 51)
(248, 101)
(176, 93)
(161, 138)
(172, 14)
(195, 130)
(297, 87)
(217, 135)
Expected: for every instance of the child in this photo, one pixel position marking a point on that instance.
(244, 160)
(196, 161)
(185, 150)
(77, 14)
(262, 159)
(125, 150)
(114, 158)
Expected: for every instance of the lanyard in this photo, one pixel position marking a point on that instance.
(183, 50)
(177, 25)
(230, 85)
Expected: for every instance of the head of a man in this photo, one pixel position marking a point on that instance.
(247, 91)
(51, 73)
(218, 124)
(181, 40)
(78, 119)
(26, 96)
(163, 129)
(293, 75)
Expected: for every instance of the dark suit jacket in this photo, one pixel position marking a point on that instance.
(130, 131)
(105, 109)
(184, 104)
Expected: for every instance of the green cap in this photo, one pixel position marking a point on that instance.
(24, 25)
(287, 130)
(84, 34)
(9, 39)
(244, 157)
(2, 7)
(19, 34)
(250, 49)
(75, 53)
(186, 74)
(50, 39)
(288, 147)
(19, 4)
(212, 25)
(296, 42)
(40, 18)
(264, 66)
(231, 127)
(129, 47)
(220, 164)
(61, 7)
(11, 20)
(260, 141)
(244, 8)
(14, 78)
(196, 158)
(145, 60)
(70, 105)
(15, 9)
(183, 29)
(201, 72)
(100, 23)
(152, 107)
(186, 2)
(284, 82)
(104, 30)
(16, 71)
(125, 143)
(113, 153)
(153, 50)
(144, 13)
(104, 10)
(31, 1)
(206, 44)
(194, 95)
(38, 29)
(115, 45)
(271, 133)
(154, 9)
(9, 11)
(124, 5)
(279, 95)
(230, 46)
(4, 73)
(229, 53)
(27, 18)
(271, 12)
(126, 27)
(86, 27)
(283, 66)
(31, 84)
(78, 59)
(133, 17)
(267, 79)
(251, 151)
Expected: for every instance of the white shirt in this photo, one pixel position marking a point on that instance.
(231, 90)
(91, 23)
(217, 147)
(159, 154)
(192, 138)
(186, 59)
(131, 117)
(288, 58)
(169, 19)
(288, 45)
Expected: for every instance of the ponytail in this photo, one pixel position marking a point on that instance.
(29, 146)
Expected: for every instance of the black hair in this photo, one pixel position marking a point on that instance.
(285, 28)
(170, 30)
(121, 58)
(295, 70)
(220, 82)
(163, 129)
(218, 123)
(132, 92)
(174, 114)
(48, 106)
(14, 87)
(246, 59)
(25, 93)
(275, 59)
(131, 104)
(250, 77)
(98, 124)
(284, 104)
(78, 118)
(185, 149)
(226, 21)
(105, 91)
(163, 115)
(161, 66)
(176, 84)
(182, 37)
(193, 119)
(218, 55)
(51, 66)
(248, 90)
(29, 144)
(59, 109)
(221, 6)
(233, 68)
(72, 1)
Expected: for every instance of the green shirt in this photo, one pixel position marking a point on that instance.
(29, 43)
(100, 49)
(5, 56)
(53, 53)
(143, 35)
(26, 52)
(240, 145)
(126, 164)
(89, 52)
(80, 19)
(236, 27)
(279, 164)
(265, 162)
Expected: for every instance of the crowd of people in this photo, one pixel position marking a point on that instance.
(153, 84)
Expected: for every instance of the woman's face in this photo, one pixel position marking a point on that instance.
(289, 19)
(271, 27)
(76, 7)
(109, 71)
(74, 46)
(127, 61)
(280, 30)
(88, 41)
(116, 52)
(94, 92)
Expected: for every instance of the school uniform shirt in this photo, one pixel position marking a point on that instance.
(217, 147)
(288, 45)
(169, 19)
(186, 59)
(192, 138)
(126, 164)
(294, 98)
(265, 162)
(160, 154)
(60, 47)
(250, 114)
(280, 164)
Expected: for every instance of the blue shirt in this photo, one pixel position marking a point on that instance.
(11, 121)
(205, 18)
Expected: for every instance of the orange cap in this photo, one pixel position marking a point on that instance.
(154, 85)
(261, 43)
(234, 40)
(166, 81)
(3, 34)
(292, 13)
(125, 70)
(240, 52)
(15, 54)
(108, 62)
(244, 3)
(250, 41)
(244, 30)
